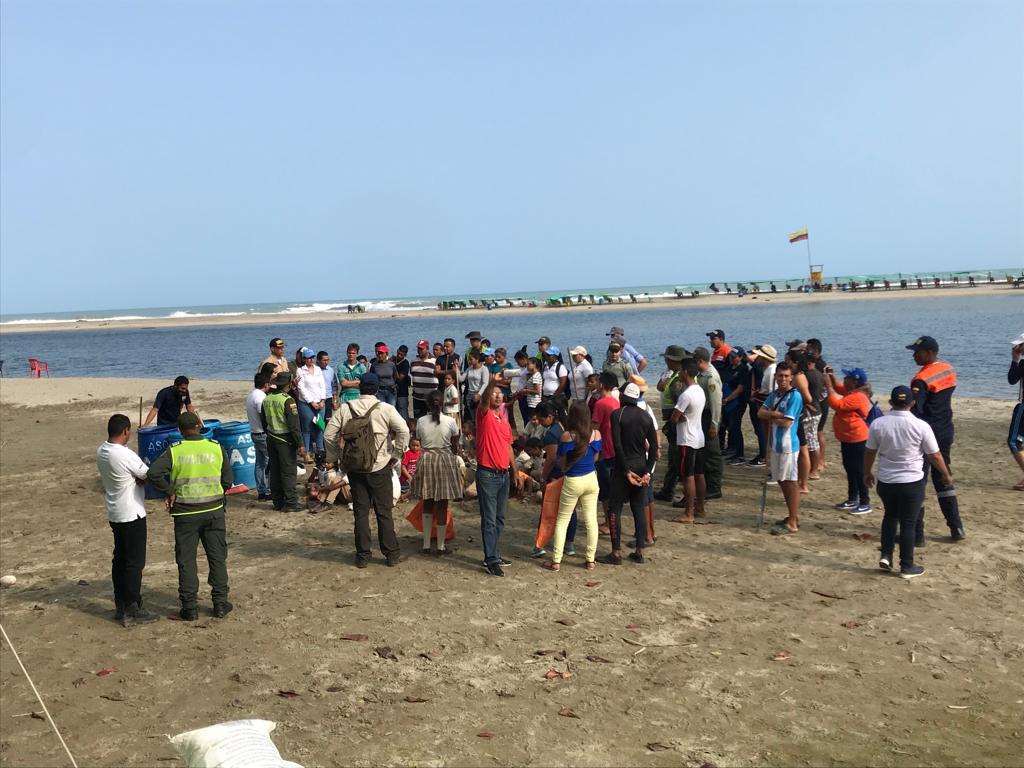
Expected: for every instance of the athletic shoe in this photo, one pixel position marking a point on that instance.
(756, 462)
(714, 495)
(494, 569)
(861, 509)
(501, 561)
(738, 461)
(610, 559)
(885, 562)
(848, 504)
(911, 572)
(568, 552)
(538, 552)
(957, 534)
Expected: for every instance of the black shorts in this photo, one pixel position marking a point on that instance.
(419, 408)
(800, 434)
(1015, 440)
(691, 463)
(824, 416)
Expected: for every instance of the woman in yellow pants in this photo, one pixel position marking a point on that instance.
(578, 450)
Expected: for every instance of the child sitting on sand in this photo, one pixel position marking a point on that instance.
(409, 460)
(326, 482)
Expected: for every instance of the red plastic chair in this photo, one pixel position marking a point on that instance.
(37, 367)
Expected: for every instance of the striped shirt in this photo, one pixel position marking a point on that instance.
(424, 380)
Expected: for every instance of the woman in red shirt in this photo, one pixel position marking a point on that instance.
(495, 467)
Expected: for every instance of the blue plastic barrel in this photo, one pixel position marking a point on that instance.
(152, 442)
(209, 427)
(236, 439)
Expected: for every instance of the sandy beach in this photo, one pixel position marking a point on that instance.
(703, 301)
(729, 646)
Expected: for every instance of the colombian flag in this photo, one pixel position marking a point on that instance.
(796, 237)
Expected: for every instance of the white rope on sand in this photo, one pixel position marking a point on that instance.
(38, 697)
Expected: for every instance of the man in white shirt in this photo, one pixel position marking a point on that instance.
(581, 371)
(123, 475)
(253, 409)
(899, 440)
(690, 438)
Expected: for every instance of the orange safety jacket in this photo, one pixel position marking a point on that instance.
(933, 387)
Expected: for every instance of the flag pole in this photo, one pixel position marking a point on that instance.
(810, 282)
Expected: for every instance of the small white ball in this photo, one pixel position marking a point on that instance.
(8, 580)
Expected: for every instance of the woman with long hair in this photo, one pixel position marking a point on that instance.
(578, 449)
(437, 480)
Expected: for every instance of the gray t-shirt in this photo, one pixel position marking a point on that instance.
(385, 372)
(476, 380)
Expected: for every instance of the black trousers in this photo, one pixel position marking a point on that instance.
(947, 495)
(620, 492)
(672, 470)
(853, 463)
(713, 465)
(374, 489)
(281, 471)
(189, 530)
(902, 503)
(128, 561)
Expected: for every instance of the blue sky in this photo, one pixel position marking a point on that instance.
(163, 153)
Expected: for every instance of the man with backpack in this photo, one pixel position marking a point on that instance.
(369, 437)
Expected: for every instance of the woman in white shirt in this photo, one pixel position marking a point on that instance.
(310, 393)
(438, 479)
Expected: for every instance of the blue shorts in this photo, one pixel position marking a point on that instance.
(1015, 440)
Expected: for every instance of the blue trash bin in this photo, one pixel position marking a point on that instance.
(236, 439)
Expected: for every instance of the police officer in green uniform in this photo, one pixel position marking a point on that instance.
(194, 473)
(280, 417)
(671, 386)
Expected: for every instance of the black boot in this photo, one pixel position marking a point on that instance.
(136, 614)
(118, 610)
(188, 614)
(220, 610)
(957, 534)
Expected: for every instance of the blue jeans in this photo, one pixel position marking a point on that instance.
(310, 431)
(402, 406)
(388, 396)
(492, 493)
(259, 441)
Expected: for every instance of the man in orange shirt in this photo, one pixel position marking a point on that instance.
(933, 387)
(719, 350)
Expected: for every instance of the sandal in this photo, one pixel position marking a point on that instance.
(553, 566)
(611, 559)
(782, 530)
(590, 565)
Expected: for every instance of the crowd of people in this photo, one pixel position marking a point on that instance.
(578, 432)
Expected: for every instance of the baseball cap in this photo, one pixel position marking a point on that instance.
(1018, 340)
(616, 331)
(901, 394)
(794, 343)
(738, 351)
(675, 352)
(578, 350)
(631, 390)
(543, 340)
(767, 351)
(702, 354)
(858, 374)
(307, 352)
(277, 342)
(717, 332)
(924, 342)
(473, 335)
(423, 344)
(368, 379)
(188, 421)
(381, 348)
(553, 351)
(615, 346)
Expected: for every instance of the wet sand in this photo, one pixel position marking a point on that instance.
(703, 301)
(672, 662)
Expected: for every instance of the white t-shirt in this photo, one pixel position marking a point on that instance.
(768, 380)
(534, 380)
(253, 406)
(578, 381)
(434, 435)
(691, 404)
(119, 466)
(901, 440)
(551, 376)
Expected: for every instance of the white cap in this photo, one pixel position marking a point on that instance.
(578, 350)
(631, 390)
(1018, 340)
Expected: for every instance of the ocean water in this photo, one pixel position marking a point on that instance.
(539, 298)
(974, 334)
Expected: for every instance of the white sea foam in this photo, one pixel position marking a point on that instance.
(182, 314)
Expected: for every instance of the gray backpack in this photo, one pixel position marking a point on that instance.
(359, 453)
